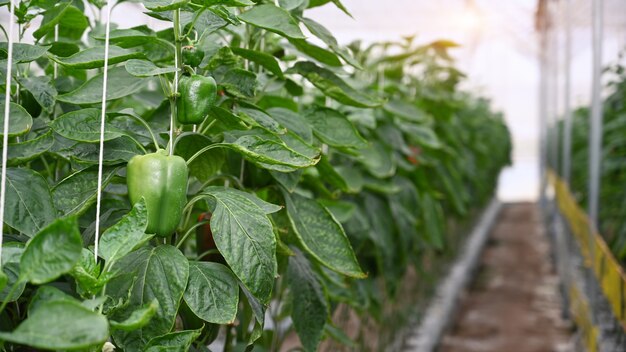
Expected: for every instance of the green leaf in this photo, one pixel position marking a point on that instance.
(84, 126)
(432, 217)
(261, 118)
(327, 37)
(334, 87)
(244, 236)
(116, 151)
(321, 235)
(320, 54)
(94, 57)
(378, 160)
(274, 19)
(46, 294)
(422, 135)
(268, 61)
(206, 165)
(28, 207)
(212, 292)
(164, 5)
(51, 18)
(77, 192)
(86, 273)
(208, 22)
(129, 38)
(63, 49)
(120, 84)
(42, 90)
(127, 235)
(174, 341)
(60, 325)
(19, 153)
(316, 3)
(145, 68)
(150, 273)
(268, 151)
(294, 122)
(240, 83)
(138, 318)
(11, 255)
(310, 307)
(20, 120)
(334, 129)
(52, 252)
(73, 24)
(405, 111)
(25, 52)
(234, 3)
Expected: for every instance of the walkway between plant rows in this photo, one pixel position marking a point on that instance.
(513, 302)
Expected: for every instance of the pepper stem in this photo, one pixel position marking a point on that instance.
(178, 65)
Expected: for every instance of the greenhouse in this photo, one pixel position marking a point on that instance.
(312, 175)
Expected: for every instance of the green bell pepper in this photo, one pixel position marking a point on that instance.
(192, 56)
(197, 96)
(161, 179)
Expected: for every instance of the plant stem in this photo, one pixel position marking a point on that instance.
(184, 238)
(5, 301)
(145, 124)
(178, 65)
(201, 151)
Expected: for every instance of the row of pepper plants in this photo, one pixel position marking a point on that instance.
(612, 215)
(256, 175)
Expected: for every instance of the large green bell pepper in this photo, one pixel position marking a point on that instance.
(197, 96)
(161, 180)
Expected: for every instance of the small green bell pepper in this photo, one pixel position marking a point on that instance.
(161, 179)
(192, 56)
(197, 96)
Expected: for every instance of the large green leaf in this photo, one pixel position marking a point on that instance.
(84, 126)
(321, 235)
(334, 87)
(150, 273)
(10, 267)
(28, 207)
(24, 52)
(266, 60)
(145, 68)
(164, 5)
(327, 37)
(116, 151)
(313, 51)
(378, 160)
(310, 308)
(268, 151)
(125, 236)
(120, 84)
(94, 57)
(52, 252)
(77, 192)
(42, 90)
(138, 318)
(62, 324)
(293, 121)
(51, 18)
(20, 120)
(19, 153)
(274, 19)
(334, 129)
(406, 111)
(174, 341)
(212, 293)
(244, 236)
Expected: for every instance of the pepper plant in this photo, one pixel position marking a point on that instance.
(611, 215)
(254, 180)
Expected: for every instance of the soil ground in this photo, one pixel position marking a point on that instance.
(513, 304)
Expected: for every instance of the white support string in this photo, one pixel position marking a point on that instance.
(102, 124)
(5, 130)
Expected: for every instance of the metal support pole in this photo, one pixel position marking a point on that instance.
(566, 154)
(595, 133)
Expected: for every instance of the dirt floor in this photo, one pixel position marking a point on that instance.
(513, 304)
